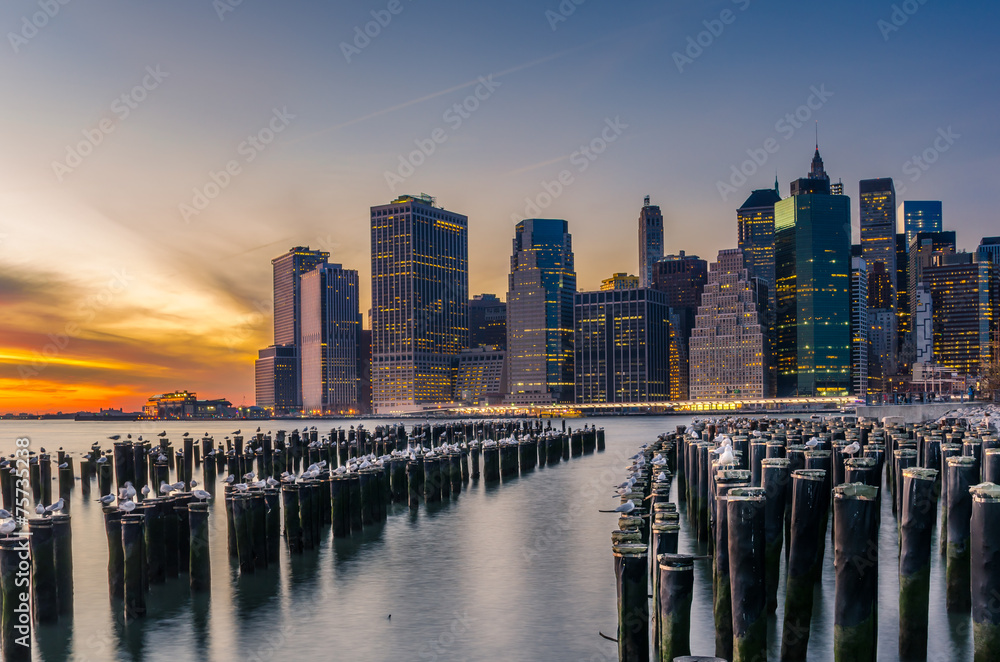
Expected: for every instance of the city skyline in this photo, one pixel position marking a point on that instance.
(111, 291)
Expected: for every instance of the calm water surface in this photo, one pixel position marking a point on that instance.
(520, 571)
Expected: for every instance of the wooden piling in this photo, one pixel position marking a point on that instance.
(855, 618)
(747, 575)
(62, 538)
(631, 581)
(199, 561)
(916, 526)
(804, 562)
(775, 478)
(15, 618)
(985, 571)
(116, 554)
(293, 527)
(133, 544)
(961, 476)
(672, 638)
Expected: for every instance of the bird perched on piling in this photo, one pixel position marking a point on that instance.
(127, 506)
(624, 509)
(39, 509)
(64, 465)
(813, 442)
(851, 448)
(162, 434)
(115, 437)
(201, 495)
(106, 499)
(728, 458)
(8, 527)
(55, 507)
(145, 490)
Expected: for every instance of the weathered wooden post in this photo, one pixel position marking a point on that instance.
(961, 476)
(43, 570)
(746, 573)
(244, 539)
(985, 573)
(673, 606)
(15, 618)
(855, 617)
(631, 581)
(199, 562)
(916, 526)
(116, 554)
(775, 478)
(293, 528)
(133, 544)
(804, 561)
(62, 539)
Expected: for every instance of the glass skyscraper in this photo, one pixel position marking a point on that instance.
(650, 241)
(420, 302)
(813, 274)
(542, 284)
(921, 216)
(878, 246)
(331, 333)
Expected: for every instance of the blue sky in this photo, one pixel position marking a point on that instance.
(194, 302)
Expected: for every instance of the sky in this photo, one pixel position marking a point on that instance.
(156, 156)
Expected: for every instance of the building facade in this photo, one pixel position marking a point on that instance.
(542, 284)
(921, 216)
(989, 250)
(420, 295)
(813, 274)
(331, 340)
(755, 225)
(622, 346)
(620, 281)
(860, 348)
(276, 379)
(729, 347)
(480, 377)
(878, 246)
(650, 240)
(682, 279)
(487, 321)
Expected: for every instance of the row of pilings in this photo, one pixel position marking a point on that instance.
(297, 487)
(766, 496)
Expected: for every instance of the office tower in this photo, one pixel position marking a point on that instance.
(965, 302)
(859, 327)
(923, 325)
(728, 347)
(622, 346)
(878, 245)
(921, 216)
(989, 250)
(925, 250)
(682, 278)
(755, 224)
(365, 372)
(276, 379)
(903, 341)
(480, 378)
(287, 270)
(487, 321)
(542, 283)
(813, 265)
(420, 302)
(331, 332)
(620, 281)
(650, 240)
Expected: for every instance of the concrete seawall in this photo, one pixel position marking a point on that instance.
(915, 413)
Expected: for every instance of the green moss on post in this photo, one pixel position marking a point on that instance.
(985, 571)
(803, 562)
(672, 638)
(746, 575)
(855, 616)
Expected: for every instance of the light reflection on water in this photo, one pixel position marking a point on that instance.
(520, 571)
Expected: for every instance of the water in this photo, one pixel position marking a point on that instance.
(520, 572)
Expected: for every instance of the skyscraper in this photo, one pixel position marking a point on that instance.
(921, 216)
(420, 302)
(287, 270)
(859, 327)
(755, 223)
(276, 381)
(622, 346)
(682, 279)
(331, 332)
(989, 250)
(878, 245)
(965, 307)
(542, 284)
(620, 281)
(487, 321)
(813, 274)
(650, 240)
(926, 249)
(728, 347)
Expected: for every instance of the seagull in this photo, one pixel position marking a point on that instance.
(194, 483)
(201, 495)
(5, 514)
(186, 434)
(127, 506)
(624, 509)
(661, 478)
(727, 459)
(813, 442)
(39, 509)
(241, 487)
(145, 490)
(162, 434)
(106, 499)
(852, 449)
(102, 460)
(64, 465)
(7, 527)
(129, 489)
(237, 432)
(56, 507)
(115, 437)
(165, 488)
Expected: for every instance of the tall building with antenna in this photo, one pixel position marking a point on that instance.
(650, 241)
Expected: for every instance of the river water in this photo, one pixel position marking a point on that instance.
(520, 571)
